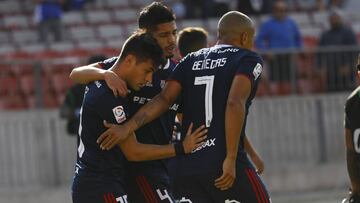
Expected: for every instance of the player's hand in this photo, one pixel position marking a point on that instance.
(114, 135)
(259, 164)
(195, 139)
(115, 83)
(228, 177)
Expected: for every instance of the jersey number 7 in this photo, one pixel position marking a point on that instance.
(208, 81)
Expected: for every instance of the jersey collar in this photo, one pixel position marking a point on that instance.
(166, 66)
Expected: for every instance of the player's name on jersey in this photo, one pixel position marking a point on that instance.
(209, 64)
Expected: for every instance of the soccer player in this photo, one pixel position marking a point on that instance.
(352, 135)
(192, 39)
(148, 181)
(218, 85)
(99, 174)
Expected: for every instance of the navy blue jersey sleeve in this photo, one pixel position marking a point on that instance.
(179, 72)
(111, 108)
(108, 63)
(250, 66)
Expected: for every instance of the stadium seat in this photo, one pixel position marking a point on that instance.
(140, 3)
(25, 36)
(98, 16)
(15, 21)
(110, 31)
(13, 102)
(82, 33)
(115, 43)
(62, 46)
(4, 37)
(73, 18)
(116, 3)
(60, 81)
(91, 45)
(321, 19)
(32, 48)
(10, 7)
(193, 23)
(301, 19)
(125, 15)
(5, 49)
(50, 100)
(8, 85)
(27, 84)
(130, 28)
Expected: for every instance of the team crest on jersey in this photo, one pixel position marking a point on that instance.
(119, 114)
(257, 70)
(98, 84)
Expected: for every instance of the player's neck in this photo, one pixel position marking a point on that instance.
(119, 70)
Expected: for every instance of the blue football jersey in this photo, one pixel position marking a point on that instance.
(100, 104)
(206, 77)
(159, 131)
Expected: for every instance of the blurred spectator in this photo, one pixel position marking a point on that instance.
(48, 15)
(278, 33)
(254, 7)
(336, 64)
(70, 109)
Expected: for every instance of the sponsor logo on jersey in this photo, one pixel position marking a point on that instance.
(144, 100)
(119, 114)
(208, 143)
(140, 100)
(257, 70)
(98, 84)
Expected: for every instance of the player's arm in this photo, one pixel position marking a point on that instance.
(255, 157)
(88, 73)
(135, 151)
(234, 120)
(352, 163)
(153, 109)
(93, 72)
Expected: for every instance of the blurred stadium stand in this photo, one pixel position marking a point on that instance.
(299, 136)
(102, 26)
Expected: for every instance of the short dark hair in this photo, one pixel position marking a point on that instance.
(143, 46)
(192, 39)
(154, 14)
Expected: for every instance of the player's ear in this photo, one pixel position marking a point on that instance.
(130, 60)
(244, 37)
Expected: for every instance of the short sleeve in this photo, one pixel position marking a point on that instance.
(108, 63)
(250, 66)
(179, 72)
(112, 109)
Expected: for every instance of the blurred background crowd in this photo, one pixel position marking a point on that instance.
(309, 46)
(310, 49)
